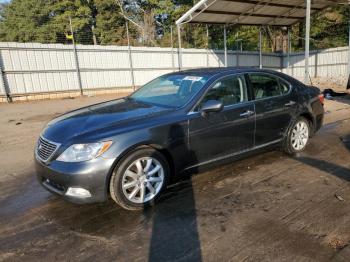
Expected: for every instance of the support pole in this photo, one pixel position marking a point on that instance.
(76, 57)
(349, 43)
(348, 84)
(207, 45)
(260, 48)
(238, 41)
(130, 57)
(288, 50)
(225, 45)
(172, 48)
(179, 49)
(307, 41)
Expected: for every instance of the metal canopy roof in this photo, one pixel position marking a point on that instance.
(252, 12)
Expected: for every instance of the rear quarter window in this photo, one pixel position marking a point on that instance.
(285, 87)
(265, 85)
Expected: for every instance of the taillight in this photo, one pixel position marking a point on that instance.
(321, 97)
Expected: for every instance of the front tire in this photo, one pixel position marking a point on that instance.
(298, 136)
(139, 179)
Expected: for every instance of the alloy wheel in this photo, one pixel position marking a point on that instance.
(143, 180)
(300, 135)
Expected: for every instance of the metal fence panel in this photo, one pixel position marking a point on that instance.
(329, 63)
(194, 58)
(37, 68)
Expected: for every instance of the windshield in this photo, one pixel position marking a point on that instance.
(170, 90)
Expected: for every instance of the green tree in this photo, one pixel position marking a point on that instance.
(110, 26)
(21, 20)
(101, 22)
(47, 21)
(58, 24)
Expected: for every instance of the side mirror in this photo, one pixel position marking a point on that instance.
(211, 106)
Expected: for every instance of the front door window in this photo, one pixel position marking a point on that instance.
(229, 90)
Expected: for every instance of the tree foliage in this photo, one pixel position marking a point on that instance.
(150, 23)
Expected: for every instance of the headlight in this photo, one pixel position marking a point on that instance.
(84, 152)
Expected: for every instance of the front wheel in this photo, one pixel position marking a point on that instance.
(297, 136)
(139, 179)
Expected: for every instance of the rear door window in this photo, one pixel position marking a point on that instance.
(265, 85)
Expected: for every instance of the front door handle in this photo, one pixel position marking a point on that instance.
(248, 113)
(290, 103)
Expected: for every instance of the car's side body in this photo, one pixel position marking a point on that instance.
(186, 138)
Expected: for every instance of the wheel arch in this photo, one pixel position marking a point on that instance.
(165, 152)
(308, 116)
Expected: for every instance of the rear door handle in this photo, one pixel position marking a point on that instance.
(247, 114)
(290, 103)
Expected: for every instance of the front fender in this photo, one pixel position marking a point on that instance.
(171, 138)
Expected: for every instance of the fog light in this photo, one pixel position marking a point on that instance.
(78, 192)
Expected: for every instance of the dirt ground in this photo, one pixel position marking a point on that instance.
(268, 207)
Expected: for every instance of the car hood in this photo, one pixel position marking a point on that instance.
(113, 114)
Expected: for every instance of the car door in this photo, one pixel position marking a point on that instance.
(229, 131)
(275, 105)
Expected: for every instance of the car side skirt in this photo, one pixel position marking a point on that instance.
(234, 154)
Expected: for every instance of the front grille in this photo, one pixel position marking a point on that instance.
(45, 149)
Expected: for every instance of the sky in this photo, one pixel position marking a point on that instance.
(4, 1)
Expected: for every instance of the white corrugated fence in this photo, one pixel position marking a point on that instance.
(328, 63)
(32, 68)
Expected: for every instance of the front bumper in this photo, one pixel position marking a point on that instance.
(92, 176)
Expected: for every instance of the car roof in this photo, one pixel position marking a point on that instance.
(220, 70)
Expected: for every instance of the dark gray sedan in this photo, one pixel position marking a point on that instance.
(131, 148)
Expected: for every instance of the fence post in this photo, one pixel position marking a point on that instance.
(76, 57)
(4, 84)
(316, 64)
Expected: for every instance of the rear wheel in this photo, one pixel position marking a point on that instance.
(139, 179)
(298, 136)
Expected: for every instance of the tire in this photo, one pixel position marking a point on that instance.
(297, 136)
(133, 174)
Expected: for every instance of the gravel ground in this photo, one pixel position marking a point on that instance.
(268, 207)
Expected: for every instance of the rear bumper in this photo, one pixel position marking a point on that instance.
(317, 111)
(319, 122)
(91, 176)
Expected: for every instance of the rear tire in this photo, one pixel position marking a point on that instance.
(297, 136)
(139, 179)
